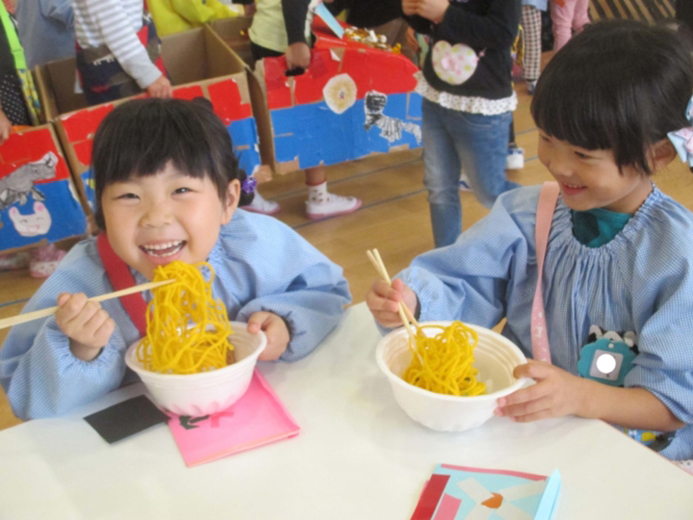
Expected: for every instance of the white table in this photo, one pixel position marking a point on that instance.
(358, 457)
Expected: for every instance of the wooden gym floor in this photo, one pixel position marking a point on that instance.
(394, 216)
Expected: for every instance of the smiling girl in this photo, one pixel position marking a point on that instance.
(167, 188)
(617, 274)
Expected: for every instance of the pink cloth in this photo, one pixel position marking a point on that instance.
(572, 16)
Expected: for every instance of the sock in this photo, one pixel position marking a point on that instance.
(318, 193)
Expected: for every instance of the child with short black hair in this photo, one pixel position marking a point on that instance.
(167, 188)
(618, 266)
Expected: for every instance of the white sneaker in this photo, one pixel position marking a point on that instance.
(262, 205)
(516, 159)
(332, 206)
(464, 182)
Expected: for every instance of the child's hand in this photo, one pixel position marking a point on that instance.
(411, 40)
(161, 88)
(275, 329)
(557, 393)
(5, 127)
(298, 56)
(88, 326)
(383, 300)
(433, 10)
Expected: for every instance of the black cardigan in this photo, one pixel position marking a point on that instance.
(485, 25)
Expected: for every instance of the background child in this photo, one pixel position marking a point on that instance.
(164, 195)
(568, 16)
(20, 106)
(619, 252)
(46, 30)
(112, 61)
(466, 122)
(531, 27)
(282, 27)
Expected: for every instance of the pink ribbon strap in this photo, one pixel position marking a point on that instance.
(548, 197)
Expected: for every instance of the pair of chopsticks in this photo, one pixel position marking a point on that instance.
(44, 313)
(404, 313)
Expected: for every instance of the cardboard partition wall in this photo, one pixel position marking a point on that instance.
(352, 102)
(199, 64)
(38, 201)
(234, 33)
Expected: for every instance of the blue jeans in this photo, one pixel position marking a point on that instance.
(452, 140)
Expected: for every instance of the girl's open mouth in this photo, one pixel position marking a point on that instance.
(164, 250)
(569, 189)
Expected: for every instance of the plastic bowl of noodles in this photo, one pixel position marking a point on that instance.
(204, 393)
(495, 358)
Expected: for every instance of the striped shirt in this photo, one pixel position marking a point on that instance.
(115, 23)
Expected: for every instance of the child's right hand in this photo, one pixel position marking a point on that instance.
(383, 302)
(297, 56)
(161, 88)
(88, 326)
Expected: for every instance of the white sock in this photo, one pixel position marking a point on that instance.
(318, 194)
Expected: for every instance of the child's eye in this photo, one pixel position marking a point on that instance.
(582, 155)
(126, 196)
(180, 191)
(544, 138)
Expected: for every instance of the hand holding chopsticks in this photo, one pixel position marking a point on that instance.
(404, 313)
(43, 313)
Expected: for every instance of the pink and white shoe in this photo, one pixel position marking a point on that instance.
(262, 205)
(44, 260)
(14, 261)
(331, 206)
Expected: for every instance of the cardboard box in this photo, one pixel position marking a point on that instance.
(38, 200)
(199, 64)
(354, 101)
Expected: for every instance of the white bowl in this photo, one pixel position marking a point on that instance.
(495, 358)
(204, 393)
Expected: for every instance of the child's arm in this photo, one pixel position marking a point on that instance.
(5, 126)
(59, 11)
(558, 393)
(468, 280)
(38, 370)
(277, 271)
(295, 13)
(122, 41)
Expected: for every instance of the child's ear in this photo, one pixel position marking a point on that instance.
(233, 195)
(663, 152)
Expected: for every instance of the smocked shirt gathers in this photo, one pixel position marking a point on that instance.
(640, 281)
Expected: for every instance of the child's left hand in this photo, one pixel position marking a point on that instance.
(557, 393)
(275, 329)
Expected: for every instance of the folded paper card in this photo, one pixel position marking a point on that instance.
(258, 418)
(457, 492)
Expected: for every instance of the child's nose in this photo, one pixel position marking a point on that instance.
(156, 215)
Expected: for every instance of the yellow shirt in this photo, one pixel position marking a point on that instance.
(268, 29)
(172, 16)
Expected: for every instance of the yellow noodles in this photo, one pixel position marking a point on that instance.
(187, 330)
(447, 361)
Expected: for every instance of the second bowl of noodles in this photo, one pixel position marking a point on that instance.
(495, 358)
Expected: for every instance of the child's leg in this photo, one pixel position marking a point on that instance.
(482, 143)
(581, 15)
(531, 23)
(441, 173)
(562, 20)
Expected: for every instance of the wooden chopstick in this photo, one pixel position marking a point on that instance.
(43, 313)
